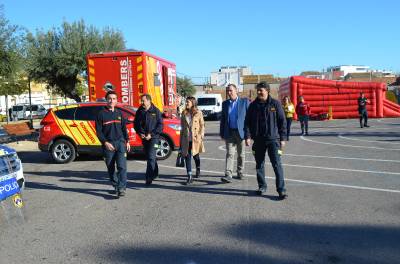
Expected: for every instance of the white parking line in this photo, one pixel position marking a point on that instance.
(319, 168)
(370, 141)
(347, 146)
(292, 180)
(222, 147)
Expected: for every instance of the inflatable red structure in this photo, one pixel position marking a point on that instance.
(340, 96)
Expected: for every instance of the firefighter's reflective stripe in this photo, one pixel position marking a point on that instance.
(93, 130)
(82, 132)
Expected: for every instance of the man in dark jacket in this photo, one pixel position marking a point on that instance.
(362, 102)
(148, 124)
(231, 130)
(112, 133)
(266, 126)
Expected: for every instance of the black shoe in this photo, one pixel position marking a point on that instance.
(282, 195)
(366, 125)
(240, 176)
(121, 193)
(226, 179)
(148, 181)
(197, 173)
(307, 134)
(189, 179)
(261, 190)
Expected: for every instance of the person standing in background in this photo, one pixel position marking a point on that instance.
(362, 110)
(303, 110)
(289, 109)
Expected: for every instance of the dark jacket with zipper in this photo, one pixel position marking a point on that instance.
(266, 119)
(149, 122)
(111, 126)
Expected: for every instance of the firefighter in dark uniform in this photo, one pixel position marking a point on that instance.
(148, 124)
(266, 126)
(113, 135)
(362, 110)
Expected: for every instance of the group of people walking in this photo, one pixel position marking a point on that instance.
(265, 121)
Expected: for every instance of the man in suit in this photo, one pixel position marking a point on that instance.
(232, 131)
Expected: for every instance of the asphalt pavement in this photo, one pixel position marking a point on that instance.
(343, 184)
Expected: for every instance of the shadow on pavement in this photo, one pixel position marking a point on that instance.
(88, 177)
(272, 242)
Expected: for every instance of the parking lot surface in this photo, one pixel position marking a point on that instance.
(343, 184)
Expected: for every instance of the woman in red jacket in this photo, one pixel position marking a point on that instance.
(303, 110)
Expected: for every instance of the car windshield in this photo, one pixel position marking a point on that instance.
(34, 108)
(18, 108)
(206, 101)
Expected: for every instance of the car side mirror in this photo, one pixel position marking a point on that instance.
(218, 104)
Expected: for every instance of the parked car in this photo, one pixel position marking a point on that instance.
(67, 131)
(12, 179)
(210, 105)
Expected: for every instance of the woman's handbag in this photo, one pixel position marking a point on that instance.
(180, 161)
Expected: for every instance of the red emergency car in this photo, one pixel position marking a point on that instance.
(69, 130)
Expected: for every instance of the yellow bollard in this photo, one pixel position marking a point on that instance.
(330, 113)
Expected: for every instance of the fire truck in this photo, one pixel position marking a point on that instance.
(131, 74)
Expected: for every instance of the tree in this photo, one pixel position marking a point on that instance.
(58, 56)
(12, 78)
(185, 86)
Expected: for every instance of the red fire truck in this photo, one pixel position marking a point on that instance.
(131, 74)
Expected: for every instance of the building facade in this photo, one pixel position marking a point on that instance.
(230, 74)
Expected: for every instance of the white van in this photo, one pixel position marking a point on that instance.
(38, 111)
(210, 105)
(23, 111)
(18, 112)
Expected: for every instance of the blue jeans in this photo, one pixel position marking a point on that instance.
(117, 157)
(304, 123)
(188, 159)
(259, 147)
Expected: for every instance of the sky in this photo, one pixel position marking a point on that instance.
(282, 37)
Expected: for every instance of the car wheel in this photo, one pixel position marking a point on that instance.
(164, 150)
(62, 151)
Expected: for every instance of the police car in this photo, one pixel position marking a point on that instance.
(68, 130)
(12, 179)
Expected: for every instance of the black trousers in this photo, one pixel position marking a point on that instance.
(260, 147)
(288, 125)
(150, 152)
(188, 159)
(363, 116)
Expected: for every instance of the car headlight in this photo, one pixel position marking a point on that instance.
(175, 127)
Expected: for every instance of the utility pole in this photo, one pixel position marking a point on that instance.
(30, 102)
